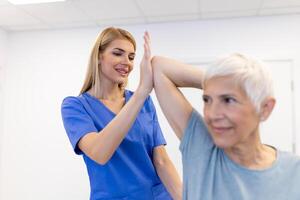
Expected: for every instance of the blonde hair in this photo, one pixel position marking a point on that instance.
(108, 35)
(252, 75)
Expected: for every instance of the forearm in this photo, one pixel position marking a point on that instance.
(181, 74)
(103, 145)
(170, 178)
(168, 76)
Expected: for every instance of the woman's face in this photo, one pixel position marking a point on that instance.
(116, 62)
(228, 112)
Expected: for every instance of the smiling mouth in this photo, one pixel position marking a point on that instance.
(122, 71)
(220, 130)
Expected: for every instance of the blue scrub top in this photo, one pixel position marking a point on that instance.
(130, 173)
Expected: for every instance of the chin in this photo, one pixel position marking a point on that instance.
(121, 82)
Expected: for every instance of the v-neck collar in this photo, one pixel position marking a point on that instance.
(126, 95)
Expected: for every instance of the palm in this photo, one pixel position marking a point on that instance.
(146, 80)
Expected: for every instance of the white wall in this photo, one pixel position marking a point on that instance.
(3, 44)
(45, 66)
(3, 55)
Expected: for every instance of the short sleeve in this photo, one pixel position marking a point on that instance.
(196, 137)
(76, 121)
(158, 138)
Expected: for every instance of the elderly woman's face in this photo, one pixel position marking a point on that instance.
(229, 114)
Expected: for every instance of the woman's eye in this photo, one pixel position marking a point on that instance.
(131, 57)
(205, 99)
(229, 100)
(117, 53)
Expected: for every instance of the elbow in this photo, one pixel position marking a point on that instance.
(160, 163)
(157, 69)
(99, 158)
(156, 63)
(154, 60)
(94, 147)
(101, 161)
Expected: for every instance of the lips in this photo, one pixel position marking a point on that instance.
(123, 71)
(220, 130)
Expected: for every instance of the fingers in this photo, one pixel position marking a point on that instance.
(147, 37)
(146, 79)
(147, 49)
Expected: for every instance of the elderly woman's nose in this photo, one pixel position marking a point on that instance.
(214, 111)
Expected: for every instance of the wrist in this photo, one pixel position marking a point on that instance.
(141, 92)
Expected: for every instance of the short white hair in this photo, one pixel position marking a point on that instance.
(252, 75)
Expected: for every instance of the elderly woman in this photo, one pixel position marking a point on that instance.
(222, 153)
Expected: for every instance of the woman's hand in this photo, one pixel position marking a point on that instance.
(146, 75)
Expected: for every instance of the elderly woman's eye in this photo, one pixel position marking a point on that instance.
(205, 99)
(229, 100)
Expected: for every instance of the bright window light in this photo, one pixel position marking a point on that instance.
(19, 2)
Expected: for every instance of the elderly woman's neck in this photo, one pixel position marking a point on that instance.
(255, 157)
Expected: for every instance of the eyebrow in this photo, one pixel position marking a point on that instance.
(222, 95)
(226, 95)
(132, 53)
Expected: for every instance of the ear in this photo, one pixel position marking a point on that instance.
(266, 108)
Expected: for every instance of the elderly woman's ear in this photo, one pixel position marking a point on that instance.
(267, 107)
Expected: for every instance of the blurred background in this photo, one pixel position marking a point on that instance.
(44, 49)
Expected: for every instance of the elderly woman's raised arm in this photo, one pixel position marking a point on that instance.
(168, 75)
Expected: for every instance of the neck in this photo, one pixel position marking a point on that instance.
(252, 155)
(107, 92)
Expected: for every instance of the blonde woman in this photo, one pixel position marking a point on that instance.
(116, 130)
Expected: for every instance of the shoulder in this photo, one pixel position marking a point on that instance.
(71, 100)
(288, 156)
(195, 121)
(72, 103)
(195, 125)
(195, 136)
(289, 160)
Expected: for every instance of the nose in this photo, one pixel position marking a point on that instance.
(213, 111)
(126, 60)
